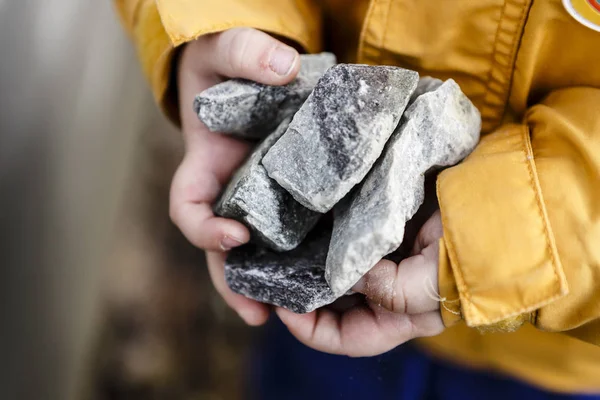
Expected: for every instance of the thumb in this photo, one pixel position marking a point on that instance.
(254, 55)
(403, 288)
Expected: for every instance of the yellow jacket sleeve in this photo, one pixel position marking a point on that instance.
(158, 27)
(521, 219)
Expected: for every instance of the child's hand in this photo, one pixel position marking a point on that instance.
(211, 158)
(400, 305)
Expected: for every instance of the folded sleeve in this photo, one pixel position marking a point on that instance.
(159, 27)
(521, 219)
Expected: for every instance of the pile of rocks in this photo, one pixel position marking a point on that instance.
(353, 139)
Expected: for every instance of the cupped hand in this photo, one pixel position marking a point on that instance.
(401, 303)
(211, 158)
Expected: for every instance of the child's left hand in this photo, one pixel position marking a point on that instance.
(399, 305)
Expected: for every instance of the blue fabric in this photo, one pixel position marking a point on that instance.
(283, 368)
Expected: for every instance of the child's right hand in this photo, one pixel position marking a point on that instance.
(211, 158)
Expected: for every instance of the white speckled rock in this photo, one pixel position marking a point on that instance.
(294, 280)
(275, 219)
(426, 84)
(439, 129)
(252, 110)
(340, 131)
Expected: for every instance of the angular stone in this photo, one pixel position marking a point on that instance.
(439, 129)
(294, 280)
(275, 219)
(426, 84)
(339, 132)
(252, 110)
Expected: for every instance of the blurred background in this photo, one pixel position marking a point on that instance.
(101, 298)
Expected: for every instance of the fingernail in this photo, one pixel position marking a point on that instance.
(282, 60)
(229, 243)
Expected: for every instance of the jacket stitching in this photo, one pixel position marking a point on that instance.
(474, 317)
(528, 149)
(493, 63)
(363, 33)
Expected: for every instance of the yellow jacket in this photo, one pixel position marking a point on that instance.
(521, 215)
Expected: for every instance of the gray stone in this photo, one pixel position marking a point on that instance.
(339, 132)
(294, 280)
(275, 219)
(252, 110)
(426, 84)
(439, 129)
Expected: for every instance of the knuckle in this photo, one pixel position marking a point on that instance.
(238, 48)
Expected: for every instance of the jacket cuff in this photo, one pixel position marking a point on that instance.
(498, 242)
(186, 20)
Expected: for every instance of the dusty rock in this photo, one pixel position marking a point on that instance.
(294, 280)
(426, 84)
(252, 110)
(275, 219)
(340, 131)
(439, 129)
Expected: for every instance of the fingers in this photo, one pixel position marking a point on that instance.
(253, 312)
(195, 187)
(235, 53)
(252, 54)
(204, 230)
(404, 288)
(212, 158)
(359, 332)
(429, 233)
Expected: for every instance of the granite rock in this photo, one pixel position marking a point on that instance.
(275, 219)
(294, 280)
(439, 129)
(252, 110)
(340, 131)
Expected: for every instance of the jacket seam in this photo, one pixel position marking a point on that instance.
(493, 113)
(550, 245)
(527, 150)
(363, 33)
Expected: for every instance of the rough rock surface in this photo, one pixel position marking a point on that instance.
(439, 129)
(275, 219)
(340, 131)
(294, 280)
(426, 84)
(252, 110)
